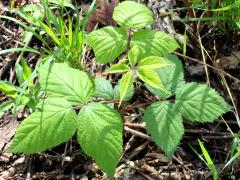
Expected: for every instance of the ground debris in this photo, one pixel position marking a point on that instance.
(229, 62)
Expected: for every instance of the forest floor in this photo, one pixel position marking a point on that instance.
(213, 43)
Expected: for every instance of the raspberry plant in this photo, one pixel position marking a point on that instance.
(98, 125)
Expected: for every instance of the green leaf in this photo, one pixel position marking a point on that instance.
(133, 55)
(165, 126)
(196, 2)
(198, 102)
(86, 18)
(8, 88)
(128, 95)
(107, 43)
(23, 71)
(118, 68)
(19, 73)
(50, 31)
(184, 45)
(232, 158)
(35, 9)
(209, 161)
(11, 50)
(110, 105)
(26, 69)
(125, 85)
(99, 133)
(172, 77)
(59, 80)
(152, 62)
(150, 77)
(66, 3)
(103, 89)
(153, 43)
(52, 125)
(132, 15)
(22, 101)
(6, 106)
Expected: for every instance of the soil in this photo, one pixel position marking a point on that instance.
(141, 158)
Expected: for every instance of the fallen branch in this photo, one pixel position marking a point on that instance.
(210, 66)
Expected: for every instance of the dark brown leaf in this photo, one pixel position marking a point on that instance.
(103, 15)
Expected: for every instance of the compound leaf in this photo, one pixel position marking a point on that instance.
(153, 43)
(103, 89)
(99, 133)
(53, 124)
(125, 84)
(107, 43)
(59, 80)
(198, 102)
(164, 125)
(132, 15)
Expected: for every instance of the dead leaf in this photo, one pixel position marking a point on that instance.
(229, 62)
(7, 132)
(103, 15)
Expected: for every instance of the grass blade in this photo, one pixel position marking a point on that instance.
(235, 156)
(11, 50)
(209, 161)
(6, 106)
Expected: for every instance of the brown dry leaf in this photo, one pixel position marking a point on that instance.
(161, 157)
(7, 132)
(17, 3)
(99, 75)
(103, 15)
(229, 62)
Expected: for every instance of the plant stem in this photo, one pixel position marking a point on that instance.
(212, 67)
(129, 39)
(137, 133)
(131, 107)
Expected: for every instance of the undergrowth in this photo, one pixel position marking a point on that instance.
(66, 100)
